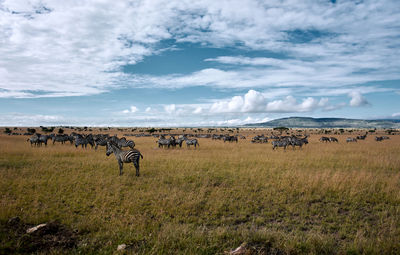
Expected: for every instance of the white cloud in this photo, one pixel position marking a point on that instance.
(397, 114)
(148, 109)
(18, 119)
(61, 48)
(254, 101)
(132, 109)
(170, 109)
(357, 99)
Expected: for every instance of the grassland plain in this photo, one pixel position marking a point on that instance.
(324, 199)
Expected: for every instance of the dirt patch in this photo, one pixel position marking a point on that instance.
(52, 235)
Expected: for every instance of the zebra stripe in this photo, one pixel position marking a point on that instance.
(124, 156)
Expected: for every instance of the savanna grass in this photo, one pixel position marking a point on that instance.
(323, 199)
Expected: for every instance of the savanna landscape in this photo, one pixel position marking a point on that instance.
(218, 198)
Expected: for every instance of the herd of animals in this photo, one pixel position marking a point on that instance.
(114, 144)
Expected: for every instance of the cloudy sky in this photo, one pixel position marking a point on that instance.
(196, 63)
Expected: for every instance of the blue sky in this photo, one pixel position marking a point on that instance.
(196, 63)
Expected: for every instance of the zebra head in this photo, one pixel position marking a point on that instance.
(109, 148)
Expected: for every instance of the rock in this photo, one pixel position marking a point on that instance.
(121, 247)
(239, 250)
(31, 230)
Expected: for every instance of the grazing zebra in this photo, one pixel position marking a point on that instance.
(192, 142)
(216, 137)
(280, 143)
(122, 157)
(259, 139)
(230, 138)
(351, 140)
(381, 138)
(333, 139)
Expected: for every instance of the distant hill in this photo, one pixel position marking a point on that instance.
(307, 122)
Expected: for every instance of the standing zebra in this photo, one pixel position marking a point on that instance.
(280, 143)
(191, 142)
(124, 156)
(100, 140)
(83, 140)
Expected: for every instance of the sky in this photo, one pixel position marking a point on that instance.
(196, 63)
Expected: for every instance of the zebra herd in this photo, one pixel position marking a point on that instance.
(172, 142)
(114, 144)
(285, 141)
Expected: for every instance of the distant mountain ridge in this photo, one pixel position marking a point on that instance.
(308, 122)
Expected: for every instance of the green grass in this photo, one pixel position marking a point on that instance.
(325, 199)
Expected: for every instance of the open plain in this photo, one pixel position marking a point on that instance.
(326, 198)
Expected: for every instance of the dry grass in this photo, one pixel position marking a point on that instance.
(323, 199)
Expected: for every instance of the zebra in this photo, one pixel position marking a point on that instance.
(122, 157)
(60, 138)
(43, 139)
(100, 140)
(351, 140)
(381, 138)
(259, 139)
(192, 142)
(179, 141)
(333, 139)
(84, 140)
(123, 142)
(324, 139)
(294, 141)
(280, 143)
(163, 142)
(34, 139)
(230, 138)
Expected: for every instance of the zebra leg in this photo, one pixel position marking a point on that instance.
(120, 167)
(136, 164)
